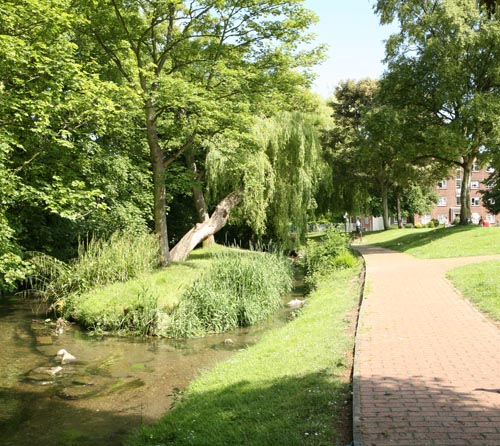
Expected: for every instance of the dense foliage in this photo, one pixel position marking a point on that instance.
(373, 170)
(444, 78)
(109, 109)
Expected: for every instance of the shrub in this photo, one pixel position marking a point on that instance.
(409, 225)
(419, 225)
(332, 244)
(238, 290)
(331, 253)
(344, 260)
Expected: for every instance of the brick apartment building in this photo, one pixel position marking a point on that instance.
(447, 209)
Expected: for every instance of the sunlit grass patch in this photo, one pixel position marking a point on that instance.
(458, 241)
(479, 283)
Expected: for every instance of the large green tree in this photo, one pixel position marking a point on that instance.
(341, 142)
(369, 153)
(197, 69)
(444, 75)
(64, 170)
(273, 174)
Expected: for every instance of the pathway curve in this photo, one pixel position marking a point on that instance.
(427, 364)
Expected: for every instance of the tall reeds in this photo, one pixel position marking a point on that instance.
(239, 289)
(119, 258)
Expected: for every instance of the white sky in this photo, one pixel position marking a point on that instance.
(355, 39)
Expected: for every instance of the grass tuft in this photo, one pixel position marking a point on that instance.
(100, 262)
(238, 290)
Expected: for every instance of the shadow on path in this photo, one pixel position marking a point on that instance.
(412, 412)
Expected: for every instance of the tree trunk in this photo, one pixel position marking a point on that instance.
(465, 212)
(398, 210)
(385, 207)
(159, 186)
(201, 231)
(198, 198)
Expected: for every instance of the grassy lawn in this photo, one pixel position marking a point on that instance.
(458, 241)
(479, 283)
(292, 388)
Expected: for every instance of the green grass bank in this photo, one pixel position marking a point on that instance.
(457, 241)
(292, 388)
(215, 290)
(479, 283)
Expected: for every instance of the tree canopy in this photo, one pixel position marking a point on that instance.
(108, 106)
(444, 75)
(198, 69)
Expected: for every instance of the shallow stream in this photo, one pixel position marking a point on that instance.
(115, 385)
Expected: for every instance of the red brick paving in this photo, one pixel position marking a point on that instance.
(427, 367)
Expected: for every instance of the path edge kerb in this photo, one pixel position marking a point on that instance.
(356, 407)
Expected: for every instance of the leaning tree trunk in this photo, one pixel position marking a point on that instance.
(201, 231)
(198, 198)
(159, 186)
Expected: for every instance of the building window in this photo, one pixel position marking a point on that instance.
(474, 184)
(458, 183)
(491, 201)
(475, 201)
(442, 201)
(425, 219)
(458, 201)
(490, 218)
(443, 219)
(442, 184)
(490, 169)
(475, 167)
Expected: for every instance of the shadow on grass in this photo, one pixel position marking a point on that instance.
(418, 411)
(417, 240)
(311, 410)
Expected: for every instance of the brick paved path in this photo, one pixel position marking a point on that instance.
(427, 365)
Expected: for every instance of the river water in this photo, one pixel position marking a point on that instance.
(115, 385)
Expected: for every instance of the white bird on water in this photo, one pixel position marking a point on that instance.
(65, 356)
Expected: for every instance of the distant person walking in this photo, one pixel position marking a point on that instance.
(359, 230)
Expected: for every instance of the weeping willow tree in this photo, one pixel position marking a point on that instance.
(294, 151)
(268, 176)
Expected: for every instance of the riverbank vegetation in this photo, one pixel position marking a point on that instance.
(116, 286)
(292, 388)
